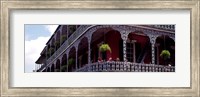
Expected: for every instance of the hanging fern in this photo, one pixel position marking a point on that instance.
(71, 61)
(63, 38)
(64, 67)
(57, 43)
(104, 48)
(165, 54)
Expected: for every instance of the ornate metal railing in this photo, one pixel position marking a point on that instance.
(165, 27)
(75, 35)
(125, 67)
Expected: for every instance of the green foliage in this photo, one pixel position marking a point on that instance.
(57, 43)
(71, 61)
(104, 48)
(72, 28)
(64, 67)
(63, 38)
(51, 50)
(165, 54)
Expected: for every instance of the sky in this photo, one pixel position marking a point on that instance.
(36, 37)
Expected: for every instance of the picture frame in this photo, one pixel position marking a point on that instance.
(8, 6)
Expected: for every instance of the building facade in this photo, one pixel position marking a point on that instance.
(133, 48)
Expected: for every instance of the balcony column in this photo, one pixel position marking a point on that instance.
(124, 36)
(49, 68)
(152, 53)
(46, 53)
(50, 50)
(89, 36)
(54, 65)
(67, 61)
(134, 55)
(76, 58)
(67, 32)
(89, 51)
(76, 47)
(157, 55)
(153, 41)
(60, 38)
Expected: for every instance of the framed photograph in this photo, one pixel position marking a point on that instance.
(100, 48)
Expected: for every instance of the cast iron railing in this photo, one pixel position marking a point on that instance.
(164, 27)
(125, 67)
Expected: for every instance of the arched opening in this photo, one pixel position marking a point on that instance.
(52, 48)
(106, 36)
(138, 48)
(57, 42)
(72, 60)
(48, 51)
(71, 29)
(83, 52)
(64, 63)
(52, 68)
(164, 42)
(57, 66)
(64, 34)
(48, 69)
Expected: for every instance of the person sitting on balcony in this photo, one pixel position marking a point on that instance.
(169, 65)
(110, 59)
(100, 59)
(117, 60)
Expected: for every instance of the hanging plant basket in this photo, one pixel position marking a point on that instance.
(165, 54)
(63, 38)
(104, 48)
(71, 61)
(64, 68)
(57, 43)
(51, 49)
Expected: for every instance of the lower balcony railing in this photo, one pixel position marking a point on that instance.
(125, 67)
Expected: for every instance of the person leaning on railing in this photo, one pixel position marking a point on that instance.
(100, 59)
(110, 59)
(117, 60)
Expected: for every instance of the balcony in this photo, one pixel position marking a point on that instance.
(65, 45)
(125, 67)
(80, 31)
